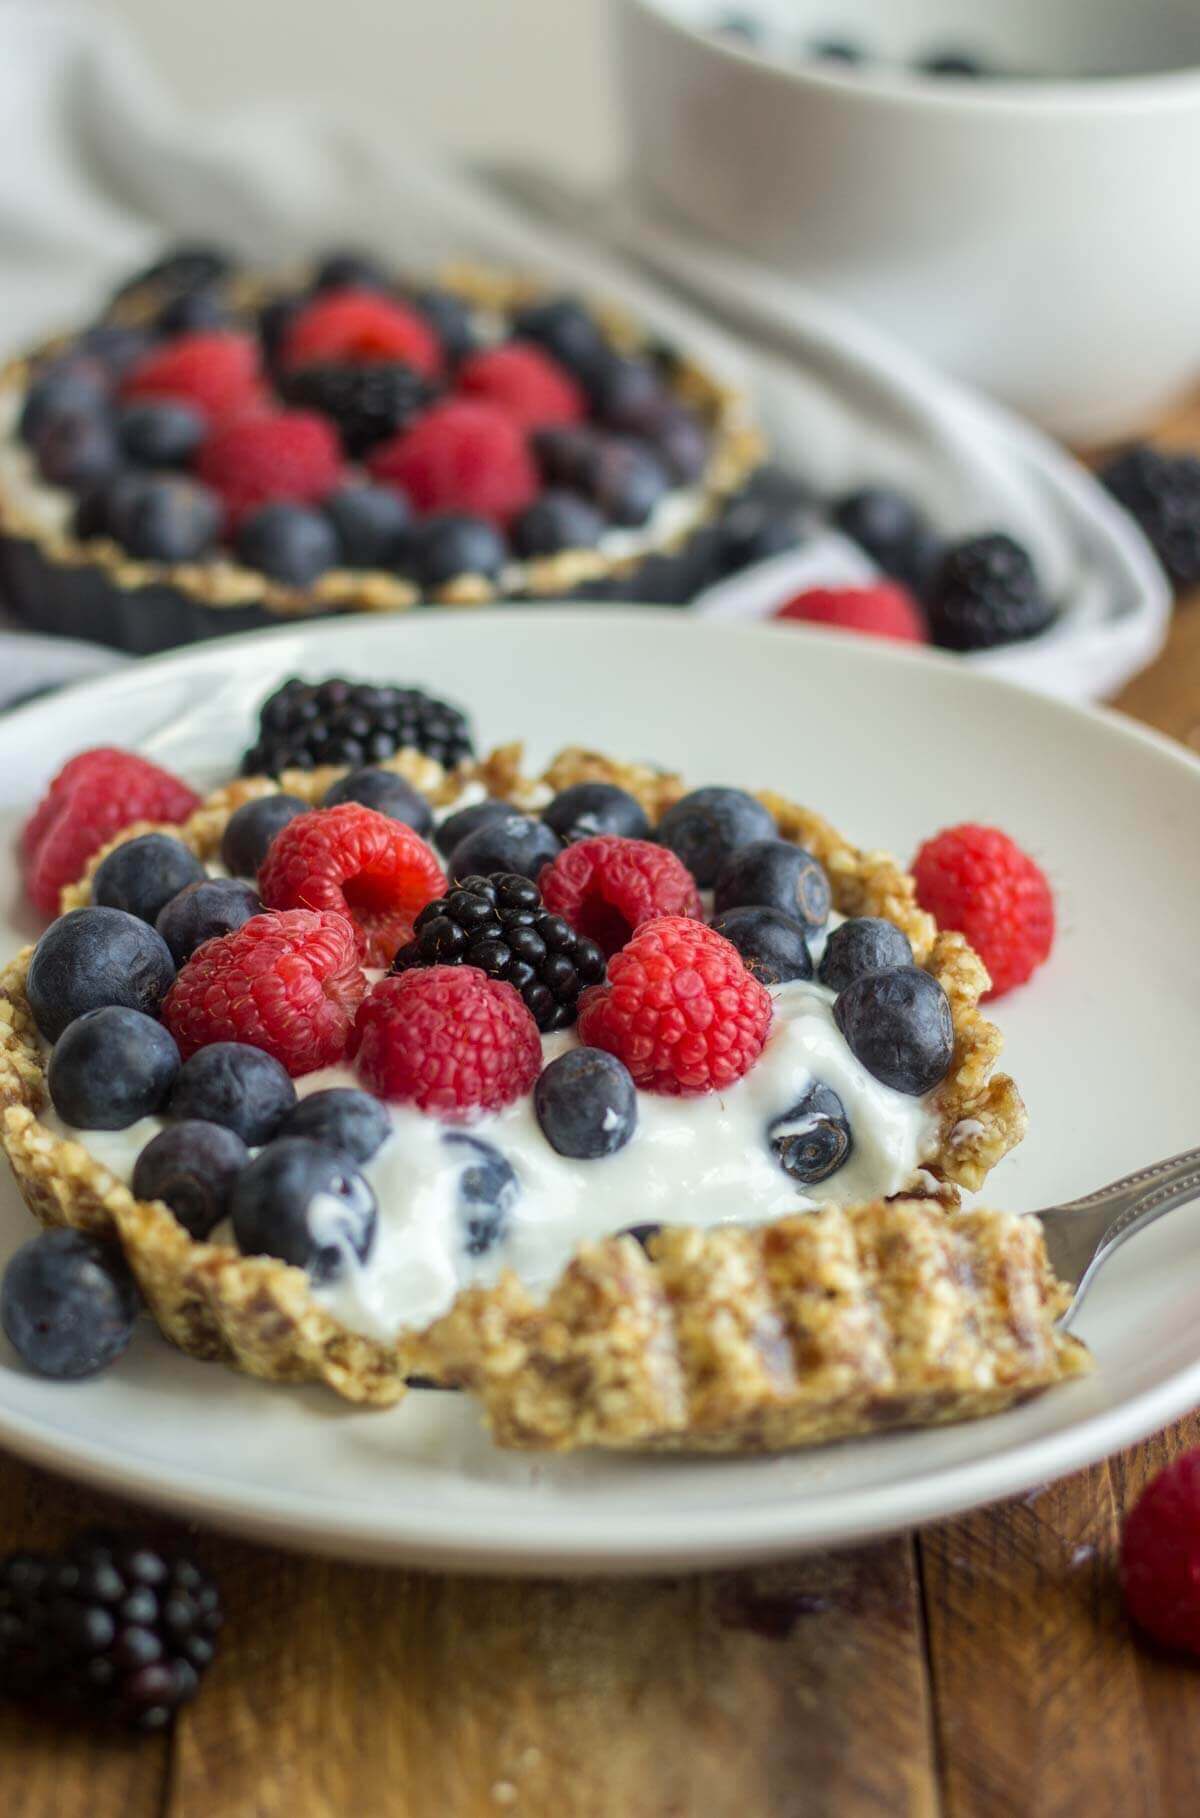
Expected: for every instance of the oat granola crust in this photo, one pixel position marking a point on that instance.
(730, 1339)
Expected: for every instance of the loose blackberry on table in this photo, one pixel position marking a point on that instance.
(1162, 491)
(111, 1628)
(500, 925)
(985, 592)
(304, 724)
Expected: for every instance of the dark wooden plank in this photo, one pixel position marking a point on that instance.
(789, 1690)
(51, 1769)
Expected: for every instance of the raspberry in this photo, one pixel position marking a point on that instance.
(286, 983)
(884, 610)
(252, 461)
(528, 384)
(606, 887)
(91, 799)
(1160, 1556)
(360, 325)
(979, 881)
(219, 372)
(447, 1039)
(679, 1008)
(358, 863)
(462, 456)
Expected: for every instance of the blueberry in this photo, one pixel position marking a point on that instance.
(348, 268)
(586, 1104)
(251, 828)
(290, 543)
(681, 441)
(142, 875)
(77, 450)
(94, 957)
(890, 527)
(487, 1192)
(75, 384)
(813, 1139)
(625, 393)
(449, 316)
(305, 1204)
(372, 525)
(191, 1167)
(110, 1067)
(341, 1118)
(160, 432)
(754, 529)
(515, 843)
(239, 1087)
(866, 944)
(628, 481)
(567, 455)
(387, 793)
(558, 520)
(187, 266)
(774, 874)
(583, 809)
(707, 826)
(197, 311)
(202, 911)
(898, 1024)
(68, 1304)
(448, 545)
(566, 329)
(773, 945)
(456, 826)
(117, 345)
(164, 517)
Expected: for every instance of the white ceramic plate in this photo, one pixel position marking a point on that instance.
(892, 745)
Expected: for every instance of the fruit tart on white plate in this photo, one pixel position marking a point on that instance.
(640, 1111)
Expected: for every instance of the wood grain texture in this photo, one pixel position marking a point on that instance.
(797, 1689)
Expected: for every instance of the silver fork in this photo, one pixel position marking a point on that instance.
(1082, 1235)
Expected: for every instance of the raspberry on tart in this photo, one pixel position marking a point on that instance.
(218, 373)
(358, 863)
(462, 456)
(607, 886)
(447, 1039)
(526, 382)
(679, 1008)
(288, 983)
(360, 327)
(253, 461)
(93, 796)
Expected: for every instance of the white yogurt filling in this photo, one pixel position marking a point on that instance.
(700, 1161)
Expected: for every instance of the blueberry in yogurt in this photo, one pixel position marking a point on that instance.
(191, 1166)
(305, 1204)
(813, 1139)
(898, 1024)
(773, 946)
(774, 874)
(586, 1104)
(242, 1088)
(707, 826)
(487, 1191)
(142, 875)
(342, 1118)
(866, 943)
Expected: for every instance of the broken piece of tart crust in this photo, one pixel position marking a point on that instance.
(833, 1322)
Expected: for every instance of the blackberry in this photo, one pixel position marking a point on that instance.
(111, 1627)
(984, 592)
(498, 924)
(1162, 492)
(366, 403)
(304, 724)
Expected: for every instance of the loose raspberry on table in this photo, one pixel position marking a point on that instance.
(256, 460)
(883, 610)
(530, 385)
(447, 1039)
(359, 326)
(91, 799)
(461, 456)
(357, 863)
(979, 881)
(679, 1008)
(1160, 1556)
(607, 886)
(220, 373)
(287, 983)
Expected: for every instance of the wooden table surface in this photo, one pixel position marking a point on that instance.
(979, 1669)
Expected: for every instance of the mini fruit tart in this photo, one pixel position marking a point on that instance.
(639, 1111)
(222, 450)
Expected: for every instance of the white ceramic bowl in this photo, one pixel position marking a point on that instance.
(1034, 235)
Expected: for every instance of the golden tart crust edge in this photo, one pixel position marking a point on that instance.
(707, 1344)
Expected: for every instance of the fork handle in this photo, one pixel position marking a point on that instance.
(1083, 1233)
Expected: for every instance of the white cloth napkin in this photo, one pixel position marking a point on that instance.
(99, 165)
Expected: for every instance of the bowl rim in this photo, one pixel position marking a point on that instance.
(914, 91)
